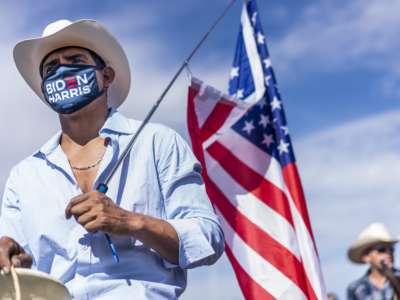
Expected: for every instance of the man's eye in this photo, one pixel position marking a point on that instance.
(77, 60)
(49, 69)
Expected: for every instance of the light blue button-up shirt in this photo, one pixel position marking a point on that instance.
(159, 178)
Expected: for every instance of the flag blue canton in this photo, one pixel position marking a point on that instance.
(265, 123)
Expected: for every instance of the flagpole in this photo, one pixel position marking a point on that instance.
(102, 187)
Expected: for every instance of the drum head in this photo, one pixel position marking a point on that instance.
(34, 285)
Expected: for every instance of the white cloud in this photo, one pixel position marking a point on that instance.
(350, 175)
(25, 123)
(331, 34)
(215, 282)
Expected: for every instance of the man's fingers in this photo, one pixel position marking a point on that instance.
(16, 261)
(94, 226)
(5, 263)
(86, 218)
(8, 248)
(74, 201)
(22, 260)
(80, 209)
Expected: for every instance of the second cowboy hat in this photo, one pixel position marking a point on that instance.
(89, 34)
(375, 233)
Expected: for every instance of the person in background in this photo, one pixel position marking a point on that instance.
(374, 247)
(332, 296)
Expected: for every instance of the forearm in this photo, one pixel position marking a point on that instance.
(95, 211)
(156, 234)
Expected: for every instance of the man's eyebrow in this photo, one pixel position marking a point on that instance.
(73, 56)
(69, 57)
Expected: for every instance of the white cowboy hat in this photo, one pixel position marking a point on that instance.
(375, 233)
(89, 34)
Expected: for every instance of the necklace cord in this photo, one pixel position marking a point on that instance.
(86, 167)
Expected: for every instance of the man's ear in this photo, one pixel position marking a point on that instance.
(108, 76)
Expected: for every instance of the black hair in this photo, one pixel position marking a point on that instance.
(100, 63)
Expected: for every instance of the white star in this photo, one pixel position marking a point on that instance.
(283, 147)
(285, 130)
(264, 121)
(267, 63)
(248, 127)
(260, 38)
(268, 140)
(234, 72)
(239, 94)
(276, 104)
(267, 79)
(254, 18)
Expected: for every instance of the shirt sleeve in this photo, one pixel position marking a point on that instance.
(187, 207)
(350, 294)
(359, 290)
(10, 219)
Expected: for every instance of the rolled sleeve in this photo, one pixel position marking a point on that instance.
(194, 248)
(187, 207)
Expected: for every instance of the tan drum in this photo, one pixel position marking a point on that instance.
(32, 285)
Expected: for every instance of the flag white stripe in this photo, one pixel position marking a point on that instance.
(254, 58)
(307, 251)
(259, 269)
(256, 211)
(237, 112)
(206, 100)
(257, 160)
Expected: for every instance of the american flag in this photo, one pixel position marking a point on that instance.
(243, 143)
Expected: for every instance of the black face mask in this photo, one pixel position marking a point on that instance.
(70, 87)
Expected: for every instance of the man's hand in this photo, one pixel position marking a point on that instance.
(11, 253)
(95, 211)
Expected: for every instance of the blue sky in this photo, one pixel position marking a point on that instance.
(338, 70)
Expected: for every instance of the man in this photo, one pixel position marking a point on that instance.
(332, 296)
(156, 210)
(374, 247)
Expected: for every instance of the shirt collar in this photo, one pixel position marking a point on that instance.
(116, 123)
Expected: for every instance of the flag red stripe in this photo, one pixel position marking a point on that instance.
(293, 183)
(296, 193)
(194, 130)
(276, 254)
(251, 180)
(250, 288)
(216, 118)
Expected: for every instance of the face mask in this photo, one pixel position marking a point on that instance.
(68, 88)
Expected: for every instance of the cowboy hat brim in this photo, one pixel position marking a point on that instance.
(89, 34)
(359, 248)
